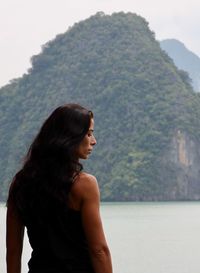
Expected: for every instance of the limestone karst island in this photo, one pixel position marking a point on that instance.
(147, 113)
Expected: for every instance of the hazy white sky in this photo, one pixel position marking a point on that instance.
(25, 25)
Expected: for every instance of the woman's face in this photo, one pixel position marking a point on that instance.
(86, 146)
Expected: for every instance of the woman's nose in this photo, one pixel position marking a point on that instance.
(94, 142)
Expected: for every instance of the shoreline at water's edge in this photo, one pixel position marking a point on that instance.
(103, 203)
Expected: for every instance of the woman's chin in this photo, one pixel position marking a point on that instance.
(84, 157)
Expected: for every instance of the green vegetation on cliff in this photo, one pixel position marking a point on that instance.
(113, 65)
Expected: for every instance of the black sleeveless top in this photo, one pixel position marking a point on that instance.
(58, 242)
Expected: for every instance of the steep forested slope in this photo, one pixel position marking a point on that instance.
(113, 65)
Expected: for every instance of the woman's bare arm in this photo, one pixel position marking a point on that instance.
(14, 240)
(99, 250)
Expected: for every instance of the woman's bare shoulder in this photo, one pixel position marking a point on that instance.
(85, 184)
(87, 177)
(85, 187)
(86, 180)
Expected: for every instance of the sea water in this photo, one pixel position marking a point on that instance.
(143, 237)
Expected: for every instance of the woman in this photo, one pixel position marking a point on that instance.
(57, 202)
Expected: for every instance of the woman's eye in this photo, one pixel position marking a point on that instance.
(90, 133)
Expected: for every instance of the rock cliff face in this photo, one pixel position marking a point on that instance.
(184, 155)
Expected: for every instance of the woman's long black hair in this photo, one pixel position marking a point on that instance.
(51, 166)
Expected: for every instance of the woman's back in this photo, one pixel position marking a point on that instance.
(57, 237)
(58, 242)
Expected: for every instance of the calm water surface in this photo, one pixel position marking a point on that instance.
(143, 237)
